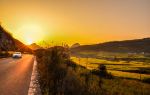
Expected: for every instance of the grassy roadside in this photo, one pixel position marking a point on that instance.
(4, 54)
(61, 76)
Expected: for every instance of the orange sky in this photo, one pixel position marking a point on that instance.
(70, 21)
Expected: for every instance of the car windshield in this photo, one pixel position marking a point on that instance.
(17, 52)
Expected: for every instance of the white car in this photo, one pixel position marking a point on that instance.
(17, 55)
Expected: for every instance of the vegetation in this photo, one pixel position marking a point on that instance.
(126, 65)
(126, 69)
(59, 75)
(4, 54)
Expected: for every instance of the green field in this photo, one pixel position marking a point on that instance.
(135, 69)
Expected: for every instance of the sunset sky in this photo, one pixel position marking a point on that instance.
(71, 21)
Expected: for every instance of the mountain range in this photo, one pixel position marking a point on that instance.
(8, 43)
(34, 46)
(136, 45)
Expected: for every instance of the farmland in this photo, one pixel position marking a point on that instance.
(135, 66)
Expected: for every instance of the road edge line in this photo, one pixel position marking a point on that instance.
(34, 88)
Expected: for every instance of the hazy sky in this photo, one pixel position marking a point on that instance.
(70, 21)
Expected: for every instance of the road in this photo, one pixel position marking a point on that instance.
(15, 75)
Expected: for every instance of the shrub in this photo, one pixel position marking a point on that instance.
(103, 72)
(146, 80)
(4, 54)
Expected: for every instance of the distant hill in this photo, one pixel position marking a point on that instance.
(8, 43)
(34, 46)
(22, 47)
(137, 45)
(6, 40)
(75, 45)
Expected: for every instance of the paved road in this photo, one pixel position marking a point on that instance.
(15, 75)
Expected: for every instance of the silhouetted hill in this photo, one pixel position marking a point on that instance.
(138, 45)
(21, 47)
(34, 46)
(6, 40)
(8, 43)
(75, 45)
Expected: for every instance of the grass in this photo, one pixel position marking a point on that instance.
(59, 75)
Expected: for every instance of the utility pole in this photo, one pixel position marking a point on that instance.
(86, 62)
(79, 60)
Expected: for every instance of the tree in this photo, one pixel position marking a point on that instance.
(103, 70)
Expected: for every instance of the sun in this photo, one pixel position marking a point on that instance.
(29, 42)
(31, 32)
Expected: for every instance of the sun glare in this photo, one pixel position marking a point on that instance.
(29, 42)
(30, 33)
